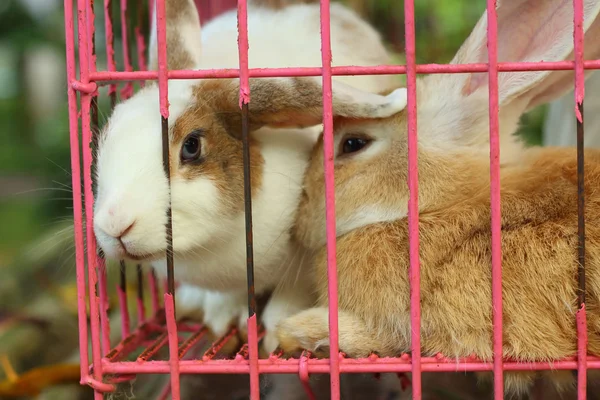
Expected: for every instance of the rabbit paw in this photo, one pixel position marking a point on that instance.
(217, 310)
(281, 305)
(222, 310)
(309, 330)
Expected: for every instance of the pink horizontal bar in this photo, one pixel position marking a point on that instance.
(341, 70)
(84, 87)
(321, 366)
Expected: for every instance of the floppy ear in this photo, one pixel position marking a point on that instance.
(183, 35)
(298, 102)
(529, 31)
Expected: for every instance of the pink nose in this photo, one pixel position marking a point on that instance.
(113, 222)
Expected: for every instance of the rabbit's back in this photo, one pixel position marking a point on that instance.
(539, 264)
(291, 37)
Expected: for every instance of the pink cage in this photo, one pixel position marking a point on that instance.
(107, 365)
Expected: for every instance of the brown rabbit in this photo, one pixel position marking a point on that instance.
(539, 217)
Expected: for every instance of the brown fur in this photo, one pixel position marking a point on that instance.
(216, 112)
(222, 155)
(539, 243)
(178, 57)
(279, 102)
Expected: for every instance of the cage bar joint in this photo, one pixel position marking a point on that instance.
(100, 386)
(86, 88)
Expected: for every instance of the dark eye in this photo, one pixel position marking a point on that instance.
(354, 144)
(191, 149)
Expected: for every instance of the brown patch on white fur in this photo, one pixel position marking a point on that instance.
(278, 102)
(178, 13)
(539, 243)
(281, 102)
(222, 153)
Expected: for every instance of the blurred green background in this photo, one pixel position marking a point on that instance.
(37, 297)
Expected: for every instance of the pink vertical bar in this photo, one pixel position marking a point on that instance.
(128, 88)
(492, 42)
(161, 41)
(141, 308)
(101, 266)
(582, 337)
(90, 18)
(104, 321)
(413, 201)
(243, 52)
(173, 342)
(163, 88)
(125, 328)
(253, 357)
(332, 287)
(242, 15)
(110, 51)
(86, 98)
(76, 186)
(123, 306)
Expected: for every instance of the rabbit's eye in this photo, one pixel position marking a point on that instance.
(354, 144)
(191, 149)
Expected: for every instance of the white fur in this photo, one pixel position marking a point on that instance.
(209, 244)
(528, 31)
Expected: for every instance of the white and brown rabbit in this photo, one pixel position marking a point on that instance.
(539, 215)
(206, 159)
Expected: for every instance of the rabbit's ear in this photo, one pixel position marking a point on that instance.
(298, 102)
(529, 31)
(183, 35)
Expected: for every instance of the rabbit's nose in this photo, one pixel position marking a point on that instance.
(113, 223)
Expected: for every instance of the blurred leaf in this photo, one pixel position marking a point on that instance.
(34, 381)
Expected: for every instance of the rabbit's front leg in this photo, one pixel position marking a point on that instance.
(283, 304)
(309, 330)
(217, 310)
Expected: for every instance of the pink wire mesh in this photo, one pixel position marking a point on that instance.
(492, 44)
(161, 328)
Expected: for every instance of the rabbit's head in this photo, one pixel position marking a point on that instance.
(370, 155)
(205, 147)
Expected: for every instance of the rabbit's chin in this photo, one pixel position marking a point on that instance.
(116, 251)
